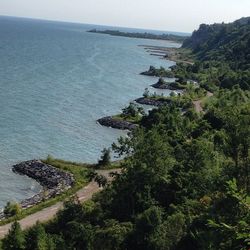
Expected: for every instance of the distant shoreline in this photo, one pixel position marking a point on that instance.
(146, 35)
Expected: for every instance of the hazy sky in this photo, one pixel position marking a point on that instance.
(172, 15)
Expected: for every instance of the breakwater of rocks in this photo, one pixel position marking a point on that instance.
(153, 102)
(109, 121)
(53, 180)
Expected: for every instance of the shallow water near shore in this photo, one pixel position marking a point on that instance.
(56, 80)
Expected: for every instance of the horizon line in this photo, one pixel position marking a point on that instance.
(94, 24)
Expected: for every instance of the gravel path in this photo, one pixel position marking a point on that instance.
(48, 213)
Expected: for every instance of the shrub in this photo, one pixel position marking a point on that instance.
(12, 209)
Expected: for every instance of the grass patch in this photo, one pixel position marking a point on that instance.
(181, 55)
(79, 170)
(113, 165)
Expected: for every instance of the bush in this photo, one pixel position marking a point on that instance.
(11, 209)
(105, 158)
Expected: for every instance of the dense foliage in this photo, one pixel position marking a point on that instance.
(223, 53)
(11, 209)
(185, 181)
(223, 42)
(161, 72)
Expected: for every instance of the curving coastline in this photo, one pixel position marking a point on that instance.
(53, 180)
(47, 175)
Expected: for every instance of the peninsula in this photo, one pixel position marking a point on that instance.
(128, 120)
(146, 35)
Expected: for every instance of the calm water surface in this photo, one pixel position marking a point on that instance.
(55, 81)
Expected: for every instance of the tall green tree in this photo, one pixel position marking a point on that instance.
(15, 239)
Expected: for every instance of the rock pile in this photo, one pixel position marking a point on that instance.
(53, 180)
(109, 121)
(152, 102)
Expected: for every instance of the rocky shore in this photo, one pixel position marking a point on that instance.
(152, 102)
(109, 121)
(53, 180)
(161, 84)
(161, 72)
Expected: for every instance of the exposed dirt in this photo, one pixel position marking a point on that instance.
(197, 104)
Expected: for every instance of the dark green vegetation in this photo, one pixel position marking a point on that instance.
(222, 53)
(161, 84)
(183, 101)
(185, 185)
(105, 158)
(11, 209)
(161, 72)
(145, 35)
(185, 182)
(132, 113)
(127, 120)
(223, 42)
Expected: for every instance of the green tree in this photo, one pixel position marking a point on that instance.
(133, 111)
(146, 225)
(101, 180)
(113, 236)
(105, 158)
(78, 235)
(11, 209)
(15, 239)
(229, 221)
(168, 234)
(37, 239)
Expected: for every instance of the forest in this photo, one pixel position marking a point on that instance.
(185, 178)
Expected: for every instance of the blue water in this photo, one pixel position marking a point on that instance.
(55, 81)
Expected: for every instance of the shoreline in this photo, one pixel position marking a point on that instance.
(111, 122)
(48, 190)
(149, 36)
(52, 180)
(177, 55)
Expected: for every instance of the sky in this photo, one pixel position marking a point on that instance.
(166, 15)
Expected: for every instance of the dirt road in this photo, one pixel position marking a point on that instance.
(48, 213)
(197, 104)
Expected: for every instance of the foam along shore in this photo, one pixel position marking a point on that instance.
(53, 180)
(113, 122)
